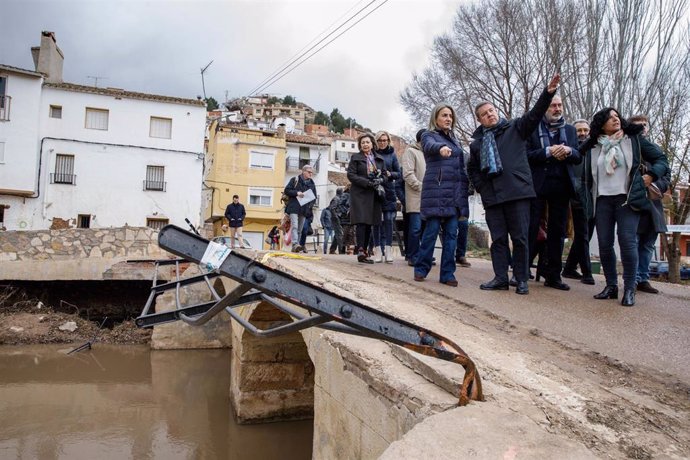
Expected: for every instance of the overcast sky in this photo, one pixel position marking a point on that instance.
(159, 47)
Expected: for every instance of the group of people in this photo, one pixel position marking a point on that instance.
(531, 172)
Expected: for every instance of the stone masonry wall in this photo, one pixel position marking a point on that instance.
(79, 243)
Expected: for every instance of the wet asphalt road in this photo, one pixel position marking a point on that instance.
(655, 333)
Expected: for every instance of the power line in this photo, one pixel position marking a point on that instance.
(285, 71)
(300, 53)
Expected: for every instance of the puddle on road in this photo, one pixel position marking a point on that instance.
(116, 402)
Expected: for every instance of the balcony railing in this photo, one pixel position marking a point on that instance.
(154, 185)
(5, 103)
(60, 178)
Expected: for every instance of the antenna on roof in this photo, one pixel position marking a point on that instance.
(95, 80)
(203, 85)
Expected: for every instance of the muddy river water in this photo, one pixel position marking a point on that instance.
(120, 402)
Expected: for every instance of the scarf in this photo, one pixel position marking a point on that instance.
(545, 129)
(489, 159)
(371, 163)
(613, 154)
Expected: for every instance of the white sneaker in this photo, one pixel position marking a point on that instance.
(388, 253)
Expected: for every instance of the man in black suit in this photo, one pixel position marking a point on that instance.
(552, 152)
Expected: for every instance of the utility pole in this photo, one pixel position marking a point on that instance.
(95, 80)
(203, 85)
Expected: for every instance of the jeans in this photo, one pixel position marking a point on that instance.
(296, 225)
(414, 235)
(449, 237)
(327, 234)
(511, 218)
(612, 216)
(387, 228)
(645, 251)
(463, 229)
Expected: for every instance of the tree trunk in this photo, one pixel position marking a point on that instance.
(674, 258)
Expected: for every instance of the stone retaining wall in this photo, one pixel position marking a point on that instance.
(79, 243)
(78, 253)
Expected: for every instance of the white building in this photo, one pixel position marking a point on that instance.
(342, 150)
(95, 157)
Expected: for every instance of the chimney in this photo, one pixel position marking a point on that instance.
(48, 58)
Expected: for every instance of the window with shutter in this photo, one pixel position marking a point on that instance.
(96, 119)
(64, 170)
(160, 127)
(155, 178)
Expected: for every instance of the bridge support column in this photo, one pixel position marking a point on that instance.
(271, 378)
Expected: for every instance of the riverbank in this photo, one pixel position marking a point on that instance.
(39, 324)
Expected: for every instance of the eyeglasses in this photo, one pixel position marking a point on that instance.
(380, 141)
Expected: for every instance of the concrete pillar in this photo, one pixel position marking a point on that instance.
(271, 379)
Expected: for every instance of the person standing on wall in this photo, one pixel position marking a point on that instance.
(235, 214)
(383, 236)
(652, 222)
(295, 190)
(582, 227)
(414, 167)
(552, 153)
(499, 170)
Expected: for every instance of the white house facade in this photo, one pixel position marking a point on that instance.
(83, 156)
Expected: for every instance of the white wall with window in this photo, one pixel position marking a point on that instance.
(122, 120)
(109, 167)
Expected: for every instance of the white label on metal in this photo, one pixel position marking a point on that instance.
(214, 255)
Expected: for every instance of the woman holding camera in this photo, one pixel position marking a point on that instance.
(444, 194)
(365, 173)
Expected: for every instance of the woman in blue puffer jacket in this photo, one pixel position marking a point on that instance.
(383, 235)
(444, 194)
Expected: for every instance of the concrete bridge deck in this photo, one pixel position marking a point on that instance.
(565, 376)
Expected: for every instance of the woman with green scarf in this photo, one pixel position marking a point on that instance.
(616, 192)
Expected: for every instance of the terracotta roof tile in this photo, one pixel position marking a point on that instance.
(122, 93)
(304, 139)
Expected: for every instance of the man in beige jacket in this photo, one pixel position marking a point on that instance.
(413, 166)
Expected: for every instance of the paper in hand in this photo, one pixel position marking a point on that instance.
(307, 198)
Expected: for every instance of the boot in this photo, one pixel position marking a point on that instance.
(609, 292)
(378, 257)
(388, 252)
(628, 299)
(363, 257)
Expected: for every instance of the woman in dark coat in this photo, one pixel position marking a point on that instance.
(365, 174)
(444, 194)
(616, 191)
(384, 237)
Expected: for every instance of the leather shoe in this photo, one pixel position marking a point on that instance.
(410, 263)
(522, 288)
(572, 274)
(462, 262)
(494, 285)
(557, 284)
(587, 279)
(628, 299)
(418, 277)
(452, 283)
(645, 286)
(513, 281)
(609, 292)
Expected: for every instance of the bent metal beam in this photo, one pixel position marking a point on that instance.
(327, 310)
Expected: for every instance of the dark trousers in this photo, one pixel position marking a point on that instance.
(511, 218)
(363, 236)
(337, 235)
(612, 217)
(579, 250)
(557, 220)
